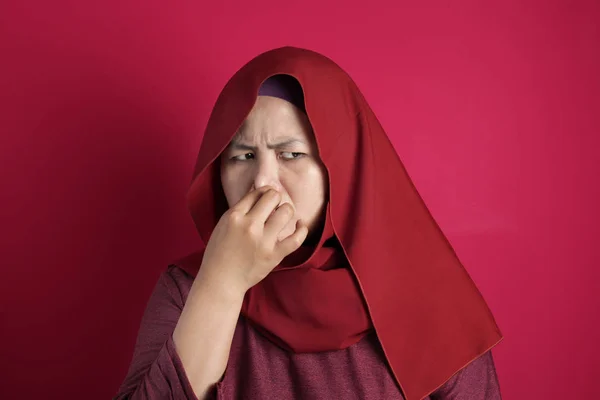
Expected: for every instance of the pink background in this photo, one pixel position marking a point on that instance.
(494, 110)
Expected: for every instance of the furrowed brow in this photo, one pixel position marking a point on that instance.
(238, 145)
(241, 146)
(284, 143)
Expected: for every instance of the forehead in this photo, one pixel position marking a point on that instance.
(273, 118)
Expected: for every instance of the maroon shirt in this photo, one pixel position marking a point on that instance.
(257, 369)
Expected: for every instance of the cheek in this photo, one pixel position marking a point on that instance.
(233, 183)
(307, 189)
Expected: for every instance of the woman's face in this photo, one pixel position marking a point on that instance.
(275, 146)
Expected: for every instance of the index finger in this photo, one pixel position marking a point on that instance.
(250, 199)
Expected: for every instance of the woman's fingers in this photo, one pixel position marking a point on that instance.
(260, 207)
(264, 206)
(249, 200)
(294, 241)
(278, 220)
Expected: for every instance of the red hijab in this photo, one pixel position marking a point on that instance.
(382, 262)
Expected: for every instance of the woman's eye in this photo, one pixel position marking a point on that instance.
(243, 157)
(291, 155)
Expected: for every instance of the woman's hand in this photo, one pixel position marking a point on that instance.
(243, 248)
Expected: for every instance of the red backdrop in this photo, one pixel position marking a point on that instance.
(494, 110)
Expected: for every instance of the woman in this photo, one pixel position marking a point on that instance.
(323, 276)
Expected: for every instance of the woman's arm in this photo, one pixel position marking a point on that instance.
(243, 249)
(204, 332)
(181, 351)
(477, 381)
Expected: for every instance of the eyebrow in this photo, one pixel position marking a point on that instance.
(235, 144)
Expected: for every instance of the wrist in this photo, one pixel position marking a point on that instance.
(222, 286)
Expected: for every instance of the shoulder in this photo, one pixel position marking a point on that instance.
(478, 379)
(175, 283)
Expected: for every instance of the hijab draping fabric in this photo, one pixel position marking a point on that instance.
(381, 263)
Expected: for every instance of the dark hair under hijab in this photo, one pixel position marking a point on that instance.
(284, 87)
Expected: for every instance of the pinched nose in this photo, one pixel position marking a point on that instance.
(284, 197)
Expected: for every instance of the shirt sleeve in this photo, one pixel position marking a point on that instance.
(156, 371)
(476, 381)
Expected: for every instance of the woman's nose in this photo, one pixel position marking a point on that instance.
(267, 173)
